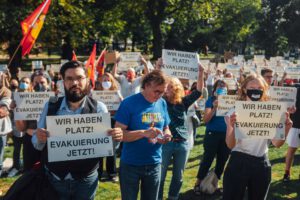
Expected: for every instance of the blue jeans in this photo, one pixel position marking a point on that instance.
(180, 152)
(83, 189)
(131, 176)
(2, 145)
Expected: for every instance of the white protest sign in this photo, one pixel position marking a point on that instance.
(232, 83)
(225, 103)
(234, 69)
(26, 74)
(3, 67)
(180, 64)
(284, 94)
(201, 104)
(55, 67)
(30, 104)
(129, 59)
(293, 72)
(109, 97)
(37, 64)
(74, 137)
(263, 120)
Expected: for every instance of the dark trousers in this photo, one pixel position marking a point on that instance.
(30, 154)
(214, 146)
(246, 171)
(110, 166)
(17, 151)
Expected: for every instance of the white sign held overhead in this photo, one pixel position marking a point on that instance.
(110, 98)
(263, 120)
(37, 64)
(284, 94)
(74, 137)
(180, 64)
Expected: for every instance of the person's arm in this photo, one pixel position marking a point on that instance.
(209, 112)
(200, 80)
(144, 62)
(281, 82)
(130, 136)
(21, 125)
(167, 136)
(230, 139)
(40, 135)
(288, 126)
(115, 69)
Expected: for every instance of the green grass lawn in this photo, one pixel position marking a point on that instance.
(278, 189)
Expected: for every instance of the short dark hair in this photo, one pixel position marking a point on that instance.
(217, 83)
(39, 73)
(71, 65)
(156, 76)
(266, 70)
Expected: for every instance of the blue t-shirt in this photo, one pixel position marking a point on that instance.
(138, 114)
(216, 123)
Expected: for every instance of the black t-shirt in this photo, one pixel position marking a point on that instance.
(296, 116)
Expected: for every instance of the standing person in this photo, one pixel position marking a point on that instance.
(131, 83)
(107, 82)
(178, 148)
(143, 117)
(293, 139)
(214, 140)
(77, 179)
(5, 100)
(249, 166)
(31, 156)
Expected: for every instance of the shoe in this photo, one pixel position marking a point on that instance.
(286, 178)
(13, 172)
(114, 179)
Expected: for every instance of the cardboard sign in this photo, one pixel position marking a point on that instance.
(180, 64)
(225, 103)
(228, 55)
(37, 64)
(293, 72)
(231, 82)
(30, 104)
(110, 98)
(263, 120)
(111, 57)
(55, 67)
(74, 137)
(284, 94)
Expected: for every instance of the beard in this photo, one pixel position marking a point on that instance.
(75, 96)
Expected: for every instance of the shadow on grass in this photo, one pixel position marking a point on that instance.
(282, 160)
(190, 195)
(284, 190)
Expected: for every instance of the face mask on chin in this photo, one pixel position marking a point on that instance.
(39, 88)
(254, 94)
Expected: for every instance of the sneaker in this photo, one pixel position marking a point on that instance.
(114, 179)
(13, 172)
(286, 178)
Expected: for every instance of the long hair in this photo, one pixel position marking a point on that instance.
(242, 92)
(217, 84)
(177, 92)
(114, 84)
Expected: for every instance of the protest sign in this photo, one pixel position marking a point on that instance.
(74, 137)
(3, 68)
(293, 72)
(55, 67)
(111, 57)
(201, 104)
(26, 74)
(225, 103)
(284, 94)
(29, 105)
(263, 120)
(234, 69)
(180, 64)
(129, 60)
(232, 83)
(110, 98)
(37, 64)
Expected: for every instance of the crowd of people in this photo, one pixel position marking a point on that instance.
(154, 126)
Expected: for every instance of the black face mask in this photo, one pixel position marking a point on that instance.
(39, 88)
(254, 95)
(13, 87)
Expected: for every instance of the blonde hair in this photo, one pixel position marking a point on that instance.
(177, 92)
(114, 84)
(242, 91)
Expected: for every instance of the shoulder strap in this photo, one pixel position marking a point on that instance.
(54, 105)
(90, 106)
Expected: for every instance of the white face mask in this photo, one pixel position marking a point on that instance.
(106, 85)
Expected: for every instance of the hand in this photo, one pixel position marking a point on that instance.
(201, 68)
(13, 105)
(42, 135)
(291, 109)
(215, 104)
(158, 63)
(143, 61)
(288, 123)
(166, 138)
(4, 111)
(230, 120)
(116, 133)
(152, 133)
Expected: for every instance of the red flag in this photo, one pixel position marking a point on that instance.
(32, 26)
(74, 57)
(90, 65)
(100, 63)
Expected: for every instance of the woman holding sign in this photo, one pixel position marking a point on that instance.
(107, 82)
(214, 140)
(249, 166)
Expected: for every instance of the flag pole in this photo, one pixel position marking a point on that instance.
(14, 54)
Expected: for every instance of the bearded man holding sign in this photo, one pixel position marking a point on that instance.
(72, 179)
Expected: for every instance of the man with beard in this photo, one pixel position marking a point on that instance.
(75, 179)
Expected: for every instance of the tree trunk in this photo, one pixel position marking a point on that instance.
(157, 39)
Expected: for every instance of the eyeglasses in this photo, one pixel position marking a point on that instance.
(78, 79)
